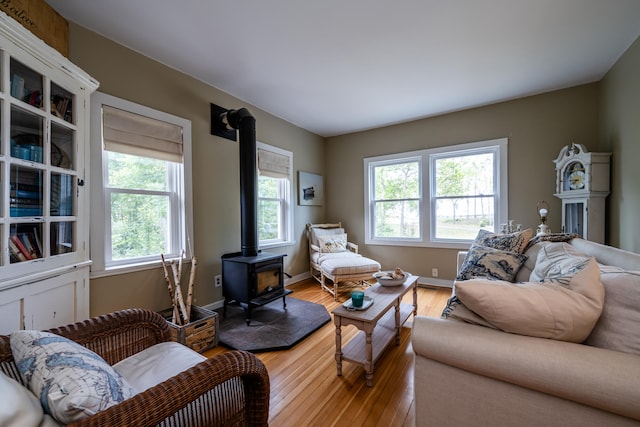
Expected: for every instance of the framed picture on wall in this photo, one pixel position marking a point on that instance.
(310, 189)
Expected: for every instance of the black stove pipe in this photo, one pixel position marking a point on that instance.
(246, 124)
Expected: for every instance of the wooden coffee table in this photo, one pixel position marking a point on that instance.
(378, 325)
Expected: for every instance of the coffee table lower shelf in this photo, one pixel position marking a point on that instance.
(383, 334)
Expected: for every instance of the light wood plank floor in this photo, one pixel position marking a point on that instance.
(305, 390)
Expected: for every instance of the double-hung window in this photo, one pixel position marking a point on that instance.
(141, 185)
(437, 197)
(274, 196)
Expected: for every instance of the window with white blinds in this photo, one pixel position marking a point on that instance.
(275, 210)
(141, 185)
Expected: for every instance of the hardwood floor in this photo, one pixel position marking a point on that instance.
(305, 390)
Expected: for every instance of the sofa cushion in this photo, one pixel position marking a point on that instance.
(512, 242)
(71, 381)
(147, 368)
(333, 243)
(340, 266)
(491, 263)
(19, 407)
(619, 325)
(564, 308)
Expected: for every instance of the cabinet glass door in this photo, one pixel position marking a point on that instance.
(574, 218)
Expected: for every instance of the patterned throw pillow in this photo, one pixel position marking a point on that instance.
(333, 243)
(513, 242)
(490, 263)
(71, 381)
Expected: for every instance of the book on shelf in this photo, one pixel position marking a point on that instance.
(20, 246)
(17, 86)
(15, 253)
(31, 244)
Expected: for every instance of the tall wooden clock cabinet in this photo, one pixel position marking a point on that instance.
(582, 183)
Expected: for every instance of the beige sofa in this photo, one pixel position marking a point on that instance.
(470, 375)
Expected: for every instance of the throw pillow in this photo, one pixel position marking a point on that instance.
(513, 242)
(71, 381)
(617, 329)
(333, 243)
(560, 310)
(482, 261)
(557, 261)
(18, 406)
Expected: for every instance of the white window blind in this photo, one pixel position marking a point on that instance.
(130, 133)
(273, 164)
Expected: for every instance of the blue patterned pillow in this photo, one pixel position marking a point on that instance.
(490, 263)
(513, 242)
(71, 381)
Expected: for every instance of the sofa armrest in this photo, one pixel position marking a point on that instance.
(460, 260)
(592, 376)
(116, 336)
(217, 391)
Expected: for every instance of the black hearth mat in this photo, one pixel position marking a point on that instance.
(272, 327)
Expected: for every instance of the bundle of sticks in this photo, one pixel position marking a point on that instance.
(181, 312)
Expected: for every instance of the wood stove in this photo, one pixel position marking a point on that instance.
(252, 281)
(251, 278)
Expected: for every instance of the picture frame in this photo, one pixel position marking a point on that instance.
(310, 189)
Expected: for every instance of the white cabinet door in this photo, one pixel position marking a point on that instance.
(10, 315)
(54, 306)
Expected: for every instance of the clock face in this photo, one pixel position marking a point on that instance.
(575, 177)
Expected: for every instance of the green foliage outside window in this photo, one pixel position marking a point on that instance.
(268, 208)
(397, 195)
(139, 218)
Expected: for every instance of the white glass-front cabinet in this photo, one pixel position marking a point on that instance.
(44, 201)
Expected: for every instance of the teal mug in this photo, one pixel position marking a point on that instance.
(357, 298)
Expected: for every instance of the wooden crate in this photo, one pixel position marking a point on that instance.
(200, 334)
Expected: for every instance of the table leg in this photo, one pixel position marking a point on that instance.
(415, 298)
(338, 345)
(368, 365)
(397, 315)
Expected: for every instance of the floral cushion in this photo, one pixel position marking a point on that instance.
(71, 381)
(513, 242)
(333, 243)
(482, 261)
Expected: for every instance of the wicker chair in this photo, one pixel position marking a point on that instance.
(347, 267)
(229, 389)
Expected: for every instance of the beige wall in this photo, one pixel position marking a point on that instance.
(537, 128)
(126, 74)
(620, 135)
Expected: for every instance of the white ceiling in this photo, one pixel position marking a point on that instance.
(339, 66)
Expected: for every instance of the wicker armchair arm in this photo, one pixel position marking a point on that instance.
(248, 398)
(118, 335)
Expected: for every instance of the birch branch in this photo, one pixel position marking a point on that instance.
(175, 317)
(178, 293)
(192, 278)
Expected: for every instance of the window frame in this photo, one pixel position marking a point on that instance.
(100, 245)
(427, 238)
(286, 202)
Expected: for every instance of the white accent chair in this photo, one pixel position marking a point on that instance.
(333, 258)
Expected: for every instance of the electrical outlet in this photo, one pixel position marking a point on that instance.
(434, 272)
(218, 280)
